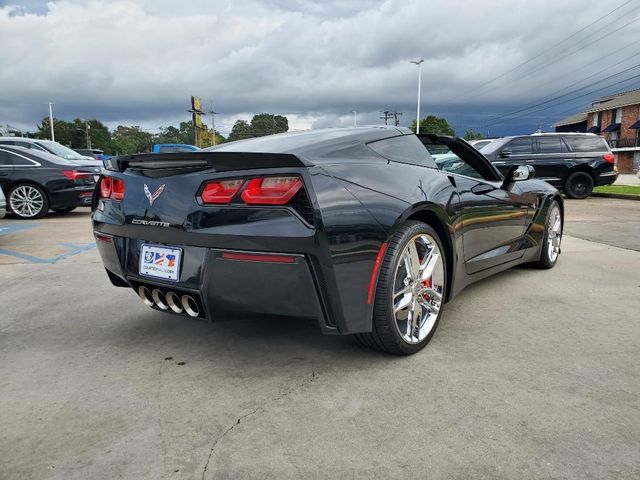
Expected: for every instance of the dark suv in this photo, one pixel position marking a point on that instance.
(573, 162)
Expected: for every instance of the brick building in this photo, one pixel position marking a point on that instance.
(617, 118)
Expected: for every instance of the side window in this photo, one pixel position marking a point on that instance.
(520, 146)
(21, 161)
(454, 164)
(5, 159)
(586, 143)
(404, 149)
(551, 145)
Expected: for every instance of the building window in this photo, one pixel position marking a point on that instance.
(596, 119)
(616, 115)
(613, 139)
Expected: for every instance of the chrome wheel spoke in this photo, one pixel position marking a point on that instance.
(429, 266)
(413, 260)
(404, 302)
(419, 283)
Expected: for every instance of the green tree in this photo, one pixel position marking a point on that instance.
(434, 125)
(471, 135)
(261, 124)
(130, 140)
(240, 130)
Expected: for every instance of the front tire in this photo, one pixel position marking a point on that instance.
(410, 291)
(550, 249)
(28, 201)
(579, 185)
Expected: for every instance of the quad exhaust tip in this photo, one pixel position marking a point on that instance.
(173, 300)
(190, 306)
(170, 300)
(145, 295)
(159, 299)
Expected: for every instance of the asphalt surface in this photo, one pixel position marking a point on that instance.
(531, 374)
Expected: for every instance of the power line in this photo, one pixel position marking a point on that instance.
(568, 100)
(553, 99)
(471, 95)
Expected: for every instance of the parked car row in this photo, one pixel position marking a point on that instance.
(572, 162)
(35, 181)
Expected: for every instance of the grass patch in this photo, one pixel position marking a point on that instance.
(624, 189)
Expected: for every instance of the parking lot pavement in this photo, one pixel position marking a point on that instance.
(605, 220)
(531, 374)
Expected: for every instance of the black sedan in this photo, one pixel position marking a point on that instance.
(358, 228)
(35, 182)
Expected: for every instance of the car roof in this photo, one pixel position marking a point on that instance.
(311, 142)
(40, 155)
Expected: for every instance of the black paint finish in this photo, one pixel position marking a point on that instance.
(358, 199)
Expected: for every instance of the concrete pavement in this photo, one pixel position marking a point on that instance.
(531, 374)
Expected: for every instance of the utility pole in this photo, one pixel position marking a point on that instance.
(386, 115)
(355, 118)
(53, 137)
(419, 64)
(396, 120)
(213, 126)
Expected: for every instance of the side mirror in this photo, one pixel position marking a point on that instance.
(518, 174)
(505, 153)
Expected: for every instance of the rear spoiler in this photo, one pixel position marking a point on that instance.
(219, 161)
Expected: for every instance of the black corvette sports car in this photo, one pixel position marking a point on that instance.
(360, 228)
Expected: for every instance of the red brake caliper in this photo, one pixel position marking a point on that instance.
(427, 283)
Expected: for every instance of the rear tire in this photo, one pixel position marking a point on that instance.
(64, 210)
(579, 185)
(410, 291)
(550, 249)
(28, 201)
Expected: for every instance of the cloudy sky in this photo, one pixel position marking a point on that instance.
(138, 61)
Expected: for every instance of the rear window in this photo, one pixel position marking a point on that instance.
(586, 144)
(404, 149)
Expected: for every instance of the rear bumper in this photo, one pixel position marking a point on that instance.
(225, 280)
(605, 178)
(72, 197)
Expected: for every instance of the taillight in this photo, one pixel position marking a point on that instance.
(221, 192)
(106, 187)
(75, 175)
(609, 158)
(118, 189)
(111, 188)
(271, 190)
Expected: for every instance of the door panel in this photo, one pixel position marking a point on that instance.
(552, 157)
(493, 223)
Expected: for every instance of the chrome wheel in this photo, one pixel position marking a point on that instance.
(418, 288)
(554, 232)
(26, 201)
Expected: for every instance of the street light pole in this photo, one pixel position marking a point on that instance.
(355, 118)
(419, 64)
(53, 137)
(88, 138)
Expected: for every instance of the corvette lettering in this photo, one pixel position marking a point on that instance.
(149, 223)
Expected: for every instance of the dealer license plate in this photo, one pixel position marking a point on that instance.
(160, 262)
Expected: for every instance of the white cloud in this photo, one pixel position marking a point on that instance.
(139, 61)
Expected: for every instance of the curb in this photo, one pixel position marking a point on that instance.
(620, 196)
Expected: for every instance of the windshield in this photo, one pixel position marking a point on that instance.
(61, 151)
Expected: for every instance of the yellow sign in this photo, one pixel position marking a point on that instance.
(196, 104)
